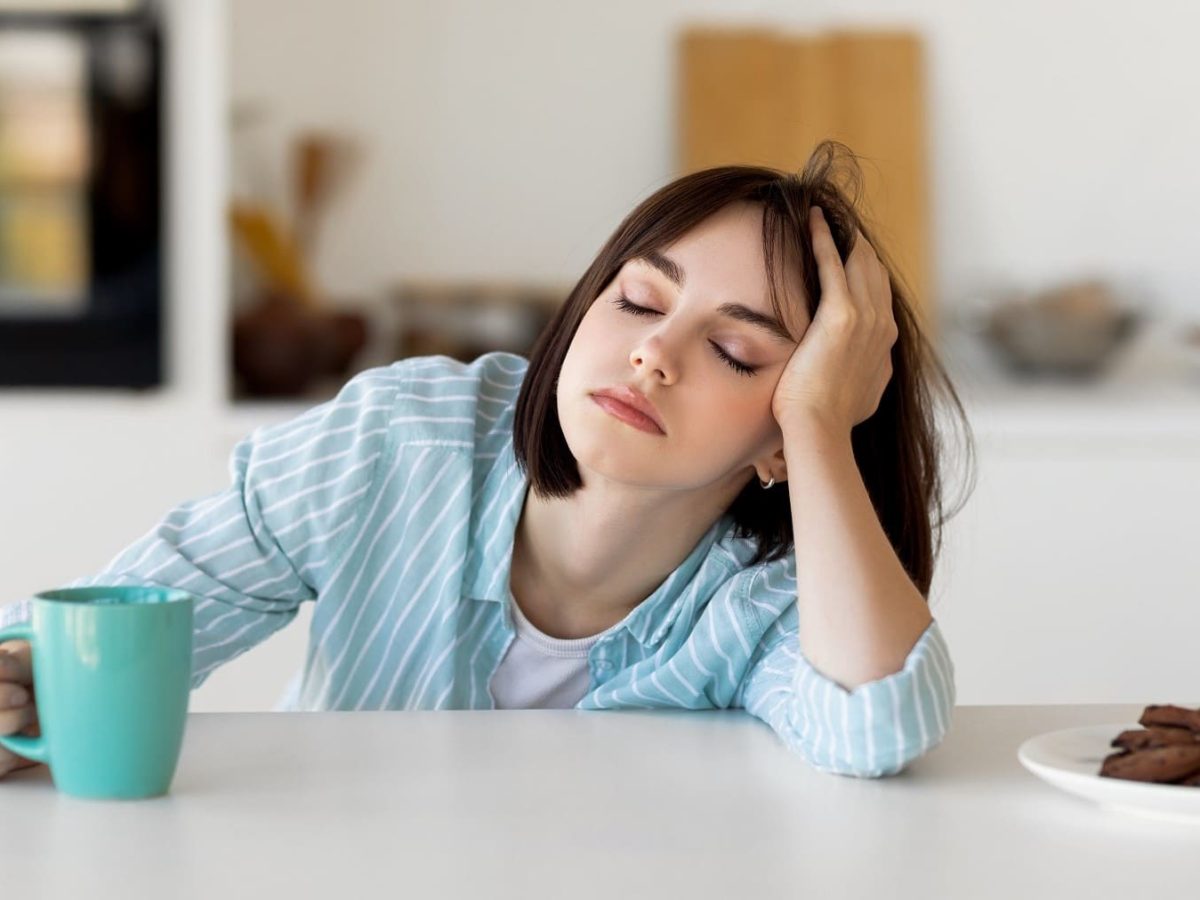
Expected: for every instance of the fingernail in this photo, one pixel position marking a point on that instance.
(17, 697)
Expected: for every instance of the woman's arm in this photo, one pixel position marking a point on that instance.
(858, 679)
(252, 553)
(860, 613)
(875, 730)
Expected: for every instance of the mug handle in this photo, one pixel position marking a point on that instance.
(22, 744)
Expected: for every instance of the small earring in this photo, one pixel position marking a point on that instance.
(770, 483)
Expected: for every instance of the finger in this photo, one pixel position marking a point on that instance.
(864, 291)
(886, 297)
(865, 256)
(13, 720)
(885, 283)
(16, 662)
(864, 250)
(881, 299)
(10, 762)
(829, 264)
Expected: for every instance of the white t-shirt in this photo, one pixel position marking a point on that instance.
(539, 671)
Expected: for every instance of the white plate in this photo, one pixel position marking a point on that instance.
(1070, 759)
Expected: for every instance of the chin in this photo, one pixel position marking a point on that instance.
(608, 453)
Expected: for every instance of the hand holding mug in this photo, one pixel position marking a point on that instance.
(18, 711)
(113, 666)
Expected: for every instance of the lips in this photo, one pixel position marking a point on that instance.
(631, 406)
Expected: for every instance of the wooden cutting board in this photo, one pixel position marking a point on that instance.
(765, 97)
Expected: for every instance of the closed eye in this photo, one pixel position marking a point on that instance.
(622, 302)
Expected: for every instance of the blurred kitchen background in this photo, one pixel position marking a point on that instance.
(214, 212)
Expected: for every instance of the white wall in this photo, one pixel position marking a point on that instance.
(83, 473)
(1055, 145)
(1060, 138)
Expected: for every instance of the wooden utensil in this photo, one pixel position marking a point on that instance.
(274, 253)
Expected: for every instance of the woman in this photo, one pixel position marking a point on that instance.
(510, 533)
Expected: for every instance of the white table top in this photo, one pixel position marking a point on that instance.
(549, 803)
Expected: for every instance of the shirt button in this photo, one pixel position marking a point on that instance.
(603, 665)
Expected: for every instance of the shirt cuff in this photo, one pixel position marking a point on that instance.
(880, 726)
(19, 612)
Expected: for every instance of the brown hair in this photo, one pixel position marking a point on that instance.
(897, 449)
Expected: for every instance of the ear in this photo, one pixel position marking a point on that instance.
(773, 465)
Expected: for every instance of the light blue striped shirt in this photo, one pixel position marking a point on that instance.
(393, 507)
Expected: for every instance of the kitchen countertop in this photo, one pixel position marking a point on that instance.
(536, 803)
(1150, 388)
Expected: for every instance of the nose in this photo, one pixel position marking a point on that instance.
(652, 354)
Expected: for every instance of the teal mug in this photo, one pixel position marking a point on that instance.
(112, 670)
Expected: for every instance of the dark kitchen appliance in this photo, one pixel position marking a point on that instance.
(82, 269)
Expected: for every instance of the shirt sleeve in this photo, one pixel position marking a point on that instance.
(252, 553)
(874, 730)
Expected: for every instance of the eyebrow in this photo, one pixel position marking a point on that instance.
(677, 276)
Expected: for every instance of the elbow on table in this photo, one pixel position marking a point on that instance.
(860, 761)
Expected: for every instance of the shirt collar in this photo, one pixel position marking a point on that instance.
(488, 565)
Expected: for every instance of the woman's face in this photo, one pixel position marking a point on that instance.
(716, 415)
